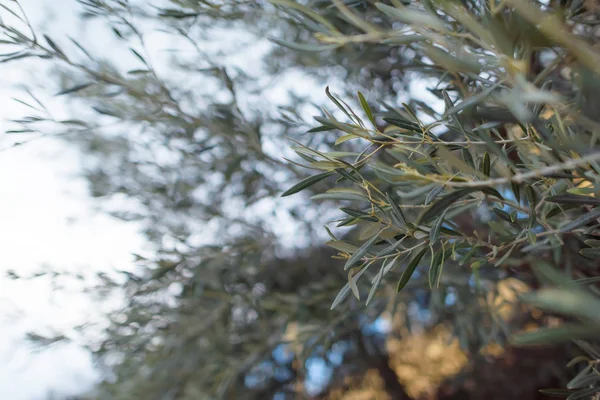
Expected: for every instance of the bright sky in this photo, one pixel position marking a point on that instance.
(47, 219)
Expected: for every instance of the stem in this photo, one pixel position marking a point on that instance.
(520, 178)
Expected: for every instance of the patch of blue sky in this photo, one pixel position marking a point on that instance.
(318, 374)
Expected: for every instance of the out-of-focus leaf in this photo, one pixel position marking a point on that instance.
(555, 392)
(516, 189)
(485, 164)
(467, 157)
(472, 101)
(532, 201)
(581, 221)
(574, 199)
(342, 246)
(567, 302)
(582, 379)
(304, 46)
(590, 252)
(411, 16)
(404, 39)
(584, 394)
(75, 88)
(561, 334)
(54, 46)
(468, 255)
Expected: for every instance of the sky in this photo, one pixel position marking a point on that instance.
(47, 219)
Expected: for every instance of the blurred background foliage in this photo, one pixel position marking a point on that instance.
(456, 162)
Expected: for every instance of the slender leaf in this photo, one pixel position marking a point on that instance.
(574, 199)
(305, 183)
(581, 221)
(409, 270)
(367, 109)
(362, 251)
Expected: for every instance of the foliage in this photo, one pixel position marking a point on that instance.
(515, 147)
(469, 207)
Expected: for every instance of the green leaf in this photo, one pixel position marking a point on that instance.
(307, 47)
(503, 215)
(378, 279)
(305, 183)
(434, 233)
(590, 252)
(341, 296)
(353, 285)
(404, 39)
(567, 301)
(587, 281)
(532, 201)
(54, 46)
(409, 270)
(584, 378)
(447, 155)
(583, 394)
(390, 249)
(339, 196)
(583, 220)
(555, 392)
(356, 213)
(139, 72)
(404, 124)
(531, 237)
(367, 109)
(411, 16)
(433, 194)
(468, 256)
(472, 100)
(561, 334)
(448, 200)
(592, 242)
(337, 103)
(436, 267)
(574, 199)
(486, 164)
(548, 274)
(342, 246)
(397, 215)
(139, 56)
(75, 88)
(362, 251)
(467, 157)
(516, 191)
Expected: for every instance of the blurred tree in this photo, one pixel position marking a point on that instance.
(229, 305)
